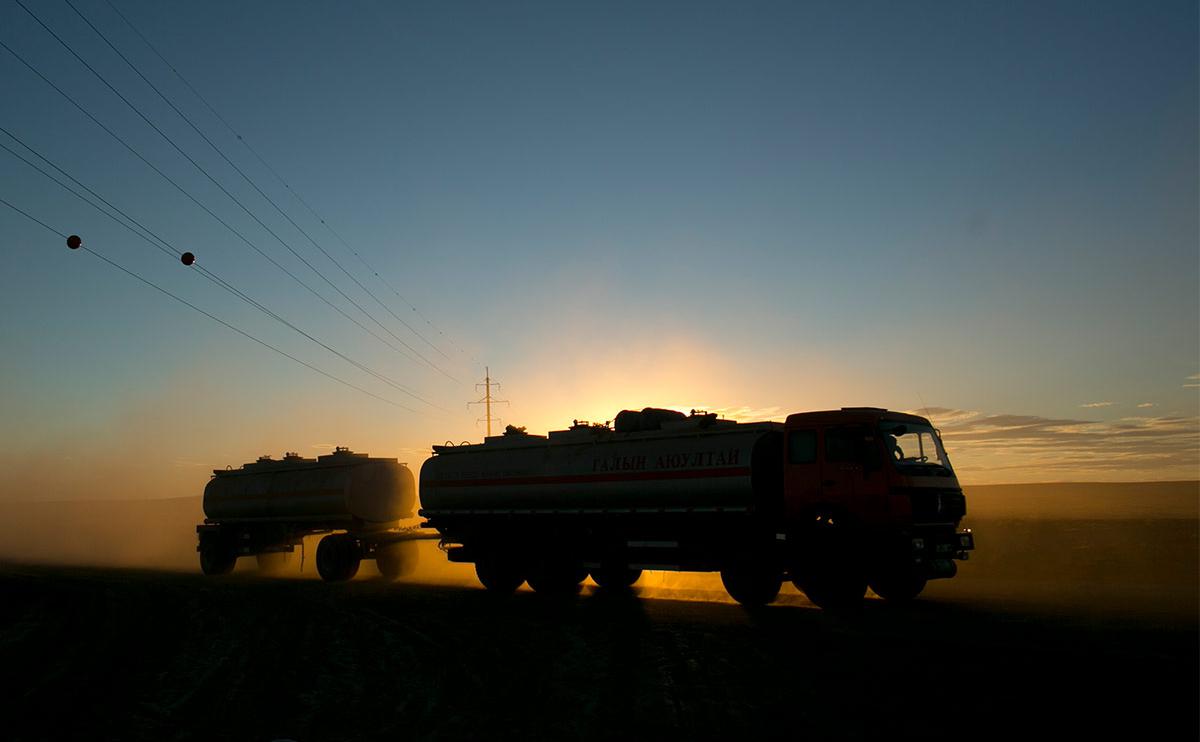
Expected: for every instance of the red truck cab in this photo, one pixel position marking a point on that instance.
(884, 475)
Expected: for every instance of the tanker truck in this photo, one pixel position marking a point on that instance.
(265, 509)
(834, 501)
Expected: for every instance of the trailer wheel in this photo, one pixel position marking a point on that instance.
(396, 559)
(499, 575)
(752, 587)
(217, 559)
(337, 558)
(616, 576)
(273, 562)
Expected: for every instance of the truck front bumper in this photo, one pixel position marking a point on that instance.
(947, 545)
(935, 553)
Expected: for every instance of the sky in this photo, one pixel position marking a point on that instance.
(982, 212)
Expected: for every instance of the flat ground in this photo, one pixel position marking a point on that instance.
(1067, 622)
(126, 654)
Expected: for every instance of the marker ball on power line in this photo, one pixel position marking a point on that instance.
(74, 242)
(187, 258)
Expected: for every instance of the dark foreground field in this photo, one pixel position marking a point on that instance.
(122, 654)
(1074, 619)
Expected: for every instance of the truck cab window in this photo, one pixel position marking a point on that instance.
(802, 447)
(850, 445)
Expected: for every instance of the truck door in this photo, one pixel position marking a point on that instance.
(851, 470)
(802, 472)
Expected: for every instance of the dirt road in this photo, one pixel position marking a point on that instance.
(126, 655)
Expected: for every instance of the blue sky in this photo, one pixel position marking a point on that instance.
(985, 208)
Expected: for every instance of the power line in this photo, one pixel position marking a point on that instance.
(163, 246)
(213, 317)
(247, 178)
(223, 189)
(281, 179)
(196, 201)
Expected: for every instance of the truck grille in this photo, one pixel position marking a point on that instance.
(937, 506)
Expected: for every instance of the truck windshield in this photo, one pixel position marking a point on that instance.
(915, 447)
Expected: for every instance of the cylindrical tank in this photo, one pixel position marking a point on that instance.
(342, 487)
(691, 465)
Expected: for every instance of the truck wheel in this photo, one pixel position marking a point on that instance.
(829, 567)
(557, 577)
(273, 562)
(833, 588)
(337, 558)
(499, 575)
(396, 559)
(898, 588)
(751, 587)
(616, 576)
(217, 559)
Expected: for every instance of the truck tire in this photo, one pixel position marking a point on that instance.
(556, 577)
(273, 562)
(898, 586)
(829, 568)
(750, 586)
(337, 558)
(396, 559)
(217, 559)
(834, 592)
(615, 576)
(499, 575)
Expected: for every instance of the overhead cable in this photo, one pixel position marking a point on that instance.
(147, 235)
(213, 317)
(280, 178)
(200, 204)
(248, 179)
(225, 190)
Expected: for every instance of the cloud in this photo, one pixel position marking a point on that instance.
(185, 462)
(1092, 405)
(1192, 382)
(1144, 405)
(748, 414)
(1007, 447)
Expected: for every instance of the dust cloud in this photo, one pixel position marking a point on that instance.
(159, 534)
(1124, 545)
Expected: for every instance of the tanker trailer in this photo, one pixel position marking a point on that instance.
(659, 490)
(266, 508)
(833, 500)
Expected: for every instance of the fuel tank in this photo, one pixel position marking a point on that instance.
(693, 464)
(342, 487)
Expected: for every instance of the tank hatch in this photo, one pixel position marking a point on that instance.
(342, 453)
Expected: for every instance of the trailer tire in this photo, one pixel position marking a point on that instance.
(616, 576)
(337, 558)
(217, 559)
(499, 575)
(751, 587)
(396, 559)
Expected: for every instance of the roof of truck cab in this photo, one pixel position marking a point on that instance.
(849, 415)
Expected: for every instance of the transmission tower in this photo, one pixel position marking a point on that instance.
(487, 400)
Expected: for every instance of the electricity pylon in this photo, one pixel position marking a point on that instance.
(487, 400)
